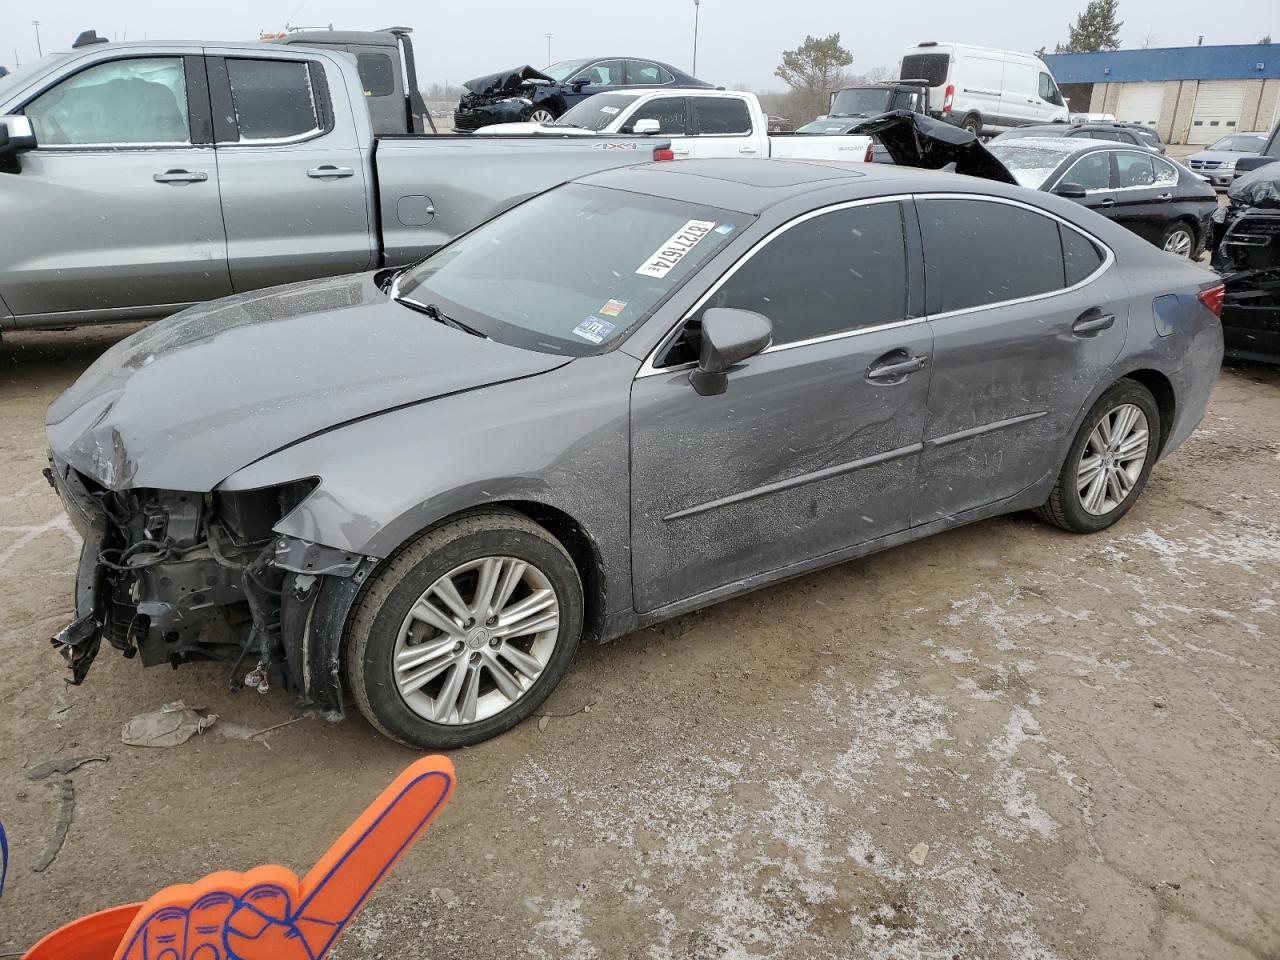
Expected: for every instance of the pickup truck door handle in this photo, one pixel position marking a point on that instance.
(748, 150)
(181, 176)
(329, 172)
(887, 368)
(1091, 322)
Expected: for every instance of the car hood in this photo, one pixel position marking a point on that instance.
(914, 140)
(505, 81)
(186, 402)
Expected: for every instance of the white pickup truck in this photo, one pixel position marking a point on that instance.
(699, 123)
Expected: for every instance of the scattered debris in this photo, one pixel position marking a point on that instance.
(235, 731)
(173, 724)
(544, 721)
(66, 803)
(918, 854)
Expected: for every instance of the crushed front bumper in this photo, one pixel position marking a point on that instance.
(79, 642)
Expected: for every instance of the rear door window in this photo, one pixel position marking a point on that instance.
(721, 116)
(376, 74)
(978, 253)
(273, 99)
(930, 67)
(1133, 170)
(643, 73)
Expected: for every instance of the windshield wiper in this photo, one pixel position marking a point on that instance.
(432, 311)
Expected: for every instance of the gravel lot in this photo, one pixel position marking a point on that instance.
(1084, 731)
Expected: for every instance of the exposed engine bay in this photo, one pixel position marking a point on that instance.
(175, 577)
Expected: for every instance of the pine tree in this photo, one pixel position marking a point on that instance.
(1095, 29)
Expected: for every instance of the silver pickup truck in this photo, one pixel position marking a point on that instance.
(138, 178)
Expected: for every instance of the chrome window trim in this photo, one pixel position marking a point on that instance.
(648, 369)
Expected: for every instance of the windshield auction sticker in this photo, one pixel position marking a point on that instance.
(666, 257)
(593, 329)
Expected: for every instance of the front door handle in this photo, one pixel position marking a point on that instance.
(1165, 196)
(181, 176)
(748, 150)
(1091, 322)
(886, 370)
(329, 172)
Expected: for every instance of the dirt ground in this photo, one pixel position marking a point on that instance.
(1084, 731)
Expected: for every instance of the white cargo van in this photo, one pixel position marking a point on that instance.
(984, 90)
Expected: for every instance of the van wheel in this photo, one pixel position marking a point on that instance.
(1108, 463)
(465, 632)
(972, 123)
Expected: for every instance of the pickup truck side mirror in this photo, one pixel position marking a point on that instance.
(729, 336)
(16, 135)
(1072, 191)
(647, 127)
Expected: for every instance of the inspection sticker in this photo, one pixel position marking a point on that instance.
(610, 110)
(666, 257)
(613, 308)
(725, 229)
(593, 329)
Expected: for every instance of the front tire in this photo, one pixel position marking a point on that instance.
(542, 115)
(1108, 463)
(465, 632)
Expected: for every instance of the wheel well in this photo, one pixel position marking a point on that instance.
(1162, 390)
(586, 557)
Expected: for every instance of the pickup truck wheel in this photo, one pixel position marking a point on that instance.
(1109, 461)
(465, 632)
(541, 115)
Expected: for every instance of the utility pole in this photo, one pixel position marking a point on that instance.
(697, 6)
(39, 49)
(548, 36)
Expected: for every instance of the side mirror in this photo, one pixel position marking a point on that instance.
(647, 128)
(728, 336)
(1072, 191)
(579, 81)
(16, 135)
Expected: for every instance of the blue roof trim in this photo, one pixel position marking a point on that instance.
(1252, 61)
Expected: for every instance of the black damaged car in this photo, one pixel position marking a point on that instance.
(528, 94)
(1247, 254)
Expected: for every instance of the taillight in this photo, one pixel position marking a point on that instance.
(949, 98)
(869, 156)
(1212, 299)
(663, 153)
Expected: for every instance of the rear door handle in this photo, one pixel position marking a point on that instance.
(1092, 321)
(181, 176)
(884, 369)
(329, 172)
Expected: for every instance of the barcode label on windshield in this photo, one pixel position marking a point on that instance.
(666, 257)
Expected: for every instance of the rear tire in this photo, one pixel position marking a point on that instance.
(1179, 239)
(972, 123)
(1101, 478)
(487, 673)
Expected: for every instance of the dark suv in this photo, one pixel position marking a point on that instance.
(1131, 133)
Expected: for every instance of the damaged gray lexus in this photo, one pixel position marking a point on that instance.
(622, 400)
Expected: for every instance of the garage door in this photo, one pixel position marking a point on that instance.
(1217, 110)
(1140, 103)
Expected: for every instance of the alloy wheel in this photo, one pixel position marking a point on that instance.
(1112, 459)
(1178, 242)
(541, 116)
(476, 640)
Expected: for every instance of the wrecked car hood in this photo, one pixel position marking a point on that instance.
(189, 400)
(915, 140)
(1257, 188)
(505, 81)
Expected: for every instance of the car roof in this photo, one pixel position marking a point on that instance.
(752, 186)
(1063, 145)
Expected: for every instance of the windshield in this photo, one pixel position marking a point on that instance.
(572, 270)
(1241, 143)
(562, 71)
(11, 83)
(860, 103)
(1031, 162)
(595, 113)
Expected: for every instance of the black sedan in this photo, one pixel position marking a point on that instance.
(540, 96)
(1158, 199)
(1129, 133)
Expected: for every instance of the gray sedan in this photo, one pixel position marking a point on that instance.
(623, 400)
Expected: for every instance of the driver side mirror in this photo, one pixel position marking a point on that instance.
(647, 128)
(16, 135)
(579, 81)
(729, 336)
(1072, 191)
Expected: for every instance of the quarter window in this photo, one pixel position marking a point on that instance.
(977, 253)
(1166, 173)
(1080, 254)
(141, 101)
(273, 99)
(722, 116)
(671, 113)
(837, 272)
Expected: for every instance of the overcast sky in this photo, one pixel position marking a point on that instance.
(740, 41)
